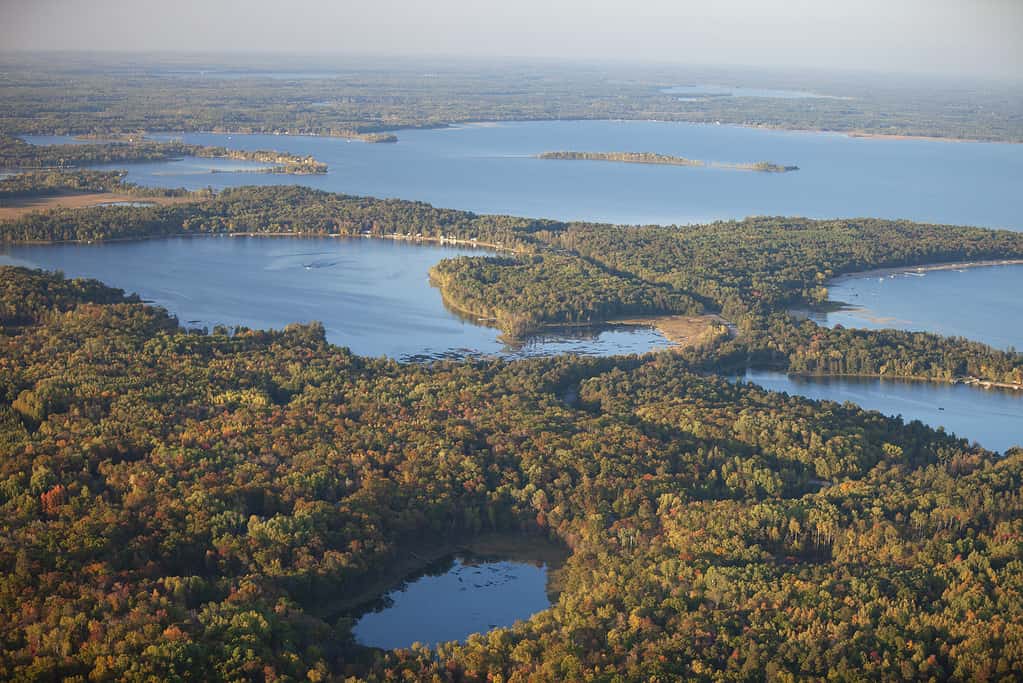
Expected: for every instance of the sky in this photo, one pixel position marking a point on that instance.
(949, 37)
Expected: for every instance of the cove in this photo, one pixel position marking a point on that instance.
(488, 584)
(979, 303)
(991, 417)
(490, 168)
(372, 295)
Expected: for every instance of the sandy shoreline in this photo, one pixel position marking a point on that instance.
(682, 330)
(959, 265)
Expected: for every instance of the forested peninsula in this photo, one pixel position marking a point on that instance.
(18, 154)
(664, 160)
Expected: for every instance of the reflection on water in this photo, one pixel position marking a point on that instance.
(982, 304)
(992, 417)
(459, 596)
(495, 581)
(372, 296)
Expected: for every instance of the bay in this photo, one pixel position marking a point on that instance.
(991, 417)
(372, 295)
(979, 303)
(491, 168)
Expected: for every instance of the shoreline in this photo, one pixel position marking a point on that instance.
(414, 557)
(964, 381)
(754, 126)
(453, 241)
(393, 130)
(972, 382)
(926, 268)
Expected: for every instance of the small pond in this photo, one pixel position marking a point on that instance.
(486, 585)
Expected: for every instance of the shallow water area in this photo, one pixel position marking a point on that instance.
(453, 598)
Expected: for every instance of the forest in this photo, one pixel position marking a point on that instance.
(176, 505)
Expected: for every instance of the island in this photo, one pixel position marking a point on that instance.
(664, 160)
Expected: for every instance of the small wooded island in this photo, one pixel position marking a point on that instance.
(664, 160)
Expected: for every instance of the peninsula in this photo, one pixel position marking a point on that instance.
(15, 153)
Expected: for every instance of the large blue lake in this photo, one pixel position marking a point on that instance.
(490, 168)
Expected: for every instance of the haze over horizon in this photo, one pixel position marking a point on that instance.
(959, 38)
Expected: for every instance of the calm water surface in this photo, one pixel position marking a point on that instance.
(454, 599)
(993, 418)
(489, 168)
(372, 296)
(983, 304)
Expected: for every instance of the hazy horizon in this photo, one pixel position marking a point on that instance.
(955, 38)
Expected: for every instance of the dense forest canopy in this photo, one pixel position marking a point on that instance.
(177, 505)
(523, 294)
(44, 183)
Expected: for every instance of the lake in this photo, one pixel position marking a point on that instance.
(992, 417)
(982, 304)
(490, 168)
(454, 598)
(372, 295)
